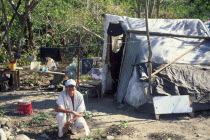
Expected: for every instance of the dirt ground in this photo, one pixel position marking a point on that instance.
(109, 120)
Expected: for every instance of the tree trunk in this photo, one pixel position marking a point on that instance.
(138, 8)
(158, 8)
(30, 32)
(151, 8)
(7, 29)
(10, 23)
(23, 18)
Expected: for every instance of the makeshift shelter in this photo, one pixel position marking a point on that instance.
(125, 58)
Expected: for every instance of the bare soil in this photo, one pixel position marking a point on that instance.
(110, 120)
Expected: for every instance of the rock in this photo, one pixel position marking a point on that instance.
(3, 122)
(2, 135)
(5, 128)
(9, 119)
(21, 137)
(45, 136)
(110, 137)
(18, 130)
(8, 133)
(11, 130)
(103, 136)
(200, 116)
(11, 137)
(9, 125)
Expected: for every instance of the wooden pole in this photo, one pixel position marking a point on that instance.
(167, 34)
(149, 45)
(177, 58)
(78, 59)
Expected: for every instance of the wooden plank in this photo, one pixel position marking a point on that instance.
(166, 34)
(50, 72)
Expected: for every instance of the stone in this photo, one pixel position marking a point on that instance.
(110, 137)
(2, 135)
(9, 125)
(18, 130)
(8, 133)
(5, 128)
(21, 137)
(11, 130)
(3, 122)
(104, 136)
(11, 137)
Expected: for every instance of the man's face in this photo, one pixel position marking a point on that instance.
(70, 89)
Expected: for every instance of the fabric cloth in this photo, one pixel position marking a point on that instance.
(53, 53)
(115, 29)
(65, 101)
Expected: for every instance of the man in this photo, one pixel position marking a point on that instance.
(70, 105)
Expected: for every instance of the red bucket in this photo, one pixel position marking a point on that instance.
(25, 107)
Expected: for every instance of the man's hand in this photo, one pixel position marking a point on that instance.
(77, 114)
(66, 126)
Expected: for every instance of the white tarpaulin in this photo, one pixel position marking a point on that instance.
(164, 49)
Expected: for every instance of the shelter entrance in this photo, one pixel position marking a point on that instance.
(115, 47)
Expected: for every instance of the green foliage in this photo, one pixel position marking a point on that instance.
(123, 125)
(40, 118)
(88, 114)
(26, 53)
(88, 138)
(84, 77)
(2, 112)
(97, 134)
(82, 90)
(185, 9)
(4, 57)
(199, 8)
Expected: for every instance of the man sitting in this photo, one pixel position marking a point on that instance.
(70, 105)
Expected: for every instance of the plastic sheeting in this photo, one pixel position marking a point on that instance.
(184, 80)
(164, 49)
(136, 91)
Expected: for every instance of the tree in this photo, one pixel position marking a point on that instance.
(23, 19)
(7, 29)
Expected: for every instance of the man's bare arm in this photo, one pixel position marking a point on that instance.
(60, 109)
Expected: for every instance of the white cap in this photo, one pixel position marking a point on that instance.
(70, 82)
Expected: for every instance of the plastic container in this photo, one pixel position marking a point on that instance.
(44, 69)
(25, 107)
(12, 66)
(35, 66)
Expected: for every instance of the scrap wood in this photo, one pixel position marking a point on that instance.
(167, 34)
(149, 45)
(177, 58)
(93, 33)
